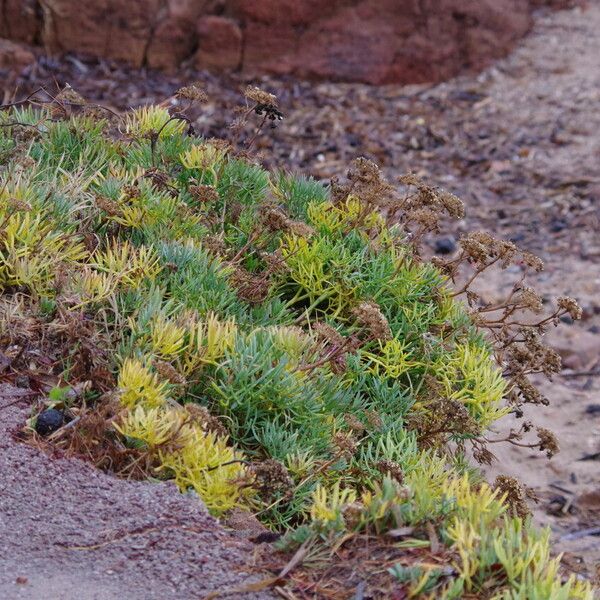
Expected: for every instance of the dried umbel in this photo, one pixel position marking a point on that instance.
(391, 468)
(547, 441)
(259, 96)
(481, 247)
(168, 372)
(354, 423)
(265, 103)
(276, 220)
(201, 415)
(369, 315)
(368, 184)
(516, 495)
(193, 93)
(250, 287)
(433, 199)
(204, 194)
(345, 444)
(570, 306)
(110, 207)
(440, 418)
(326, 333)
(271, 480)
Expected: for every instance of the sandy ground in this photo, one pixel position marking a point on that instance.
(520, 143)
(70, 532)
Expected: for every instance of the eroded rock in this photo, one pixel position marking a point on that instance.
(372, 41)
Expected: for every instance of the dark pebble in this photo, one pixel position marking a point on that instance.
(557, 225)
(22, 381)
(48, 421)
(592, 409)
(445, 246)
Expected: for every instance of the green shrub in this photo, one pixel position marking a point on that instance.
(272, 344)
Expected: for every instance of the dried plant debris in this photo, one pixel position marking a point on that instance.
(280, 348)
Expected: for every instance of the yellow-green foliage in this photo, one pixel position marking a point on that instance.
(484, 538)
(204, 464)
(152, 119)
(193, 457)
(30, 248)
(469, 377)
(138, 386)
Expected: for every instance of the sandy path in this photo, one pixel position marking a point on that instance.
(71, 532)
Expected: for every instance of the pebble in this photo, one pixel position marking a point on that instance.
(445, 245)
(48, 421)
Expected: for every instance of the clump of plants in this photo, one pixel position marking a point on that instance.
(274, 345)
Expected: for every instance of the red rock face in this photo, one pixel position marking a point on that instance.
(373, 41)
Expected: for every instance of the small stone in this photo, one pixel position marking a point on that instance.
(557, 225)
(445, 245)
(593, 409)
(22, 381)
(49, 421)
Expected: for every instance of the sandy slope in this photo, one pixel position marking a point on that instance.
(70, 532)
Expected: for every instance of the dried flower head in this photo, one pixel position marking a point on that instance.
(204, 194)
(533, 261)
(259, 96)
(547, 441)
(570, 306)
(131, 191)
(483, 455)
(110, 207)
(214, 244)
(265, 103)
(389, 467)
(434, 199)
(368, 184)
(271, 480)
(200, 414)
(69, 96)
(251, 288)
(345, 444)
(515, 495)
(369, 315)
(167, 371)
(275, 262)
(528, 392)
(354, 423)
(17, 204)
(530, 299)
(192, 92)
(326, 333)
(275, 219)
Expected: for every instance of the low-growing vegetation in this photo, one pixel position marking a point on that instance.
(275, 346)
